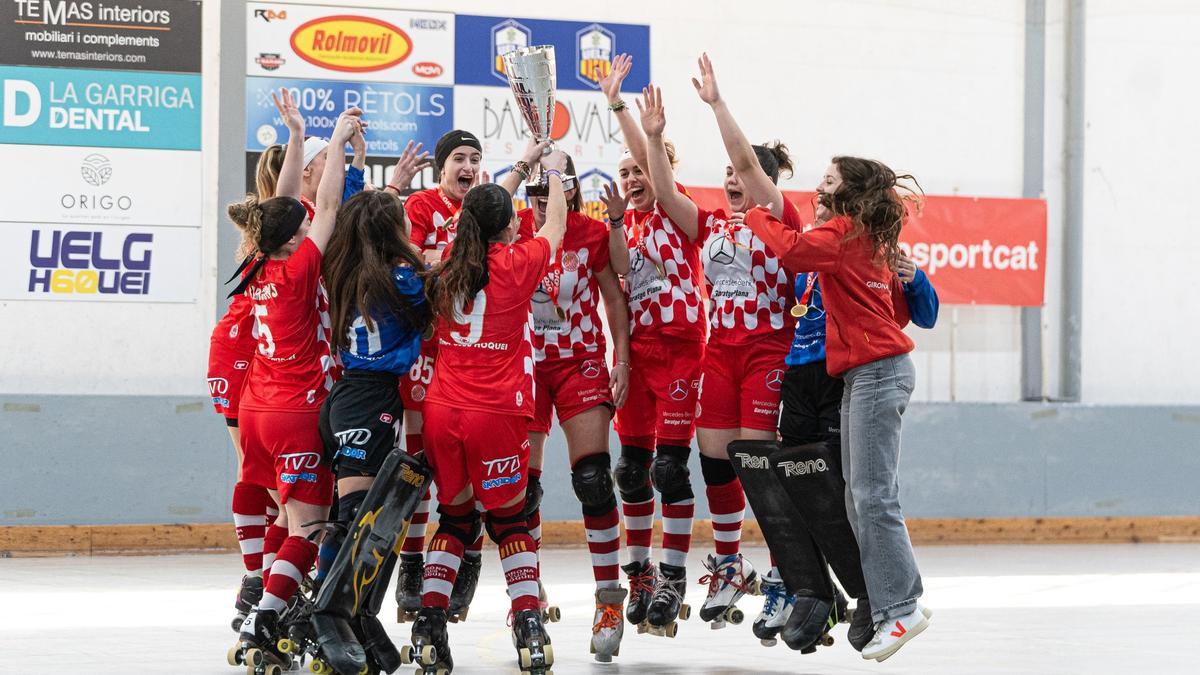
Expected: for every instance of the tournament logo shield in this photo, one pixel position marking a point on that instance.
(591, 184)
(507, 36)
(594, 47)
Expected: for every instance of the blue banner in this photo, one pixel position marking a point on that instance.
(396, 113)
(99, 108)
(582, 50)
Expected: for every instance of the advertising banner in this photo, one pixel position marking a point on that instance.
(106, 263)
(976, 250)
(162, 35)
(396, 113)
(349, 43)
(99, 108)
(582, 49)
(376, 171)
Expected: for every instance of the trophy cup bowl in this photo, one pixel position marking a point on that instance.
(532, 78)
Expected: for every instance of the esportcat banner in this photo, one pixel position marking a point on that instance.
(976, 250)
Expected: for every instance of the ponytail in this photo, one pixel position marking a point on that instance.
(774, 159)
(248, 219)
(266, 173)
(486, 211)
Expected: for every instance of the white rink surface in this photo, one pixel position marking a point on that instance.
(998, 609)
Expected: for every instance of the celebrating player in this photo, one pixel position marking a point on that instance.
(854, 254)
(667, 347)
(479, 406)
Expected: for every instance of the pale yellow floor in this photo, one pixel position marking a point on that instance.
(1000, 609)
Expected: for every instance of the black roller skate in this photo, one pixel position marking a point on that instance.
(430, 648)
(667, 603)
(258, 648)
(248, 596)
(811, 620)
(642, 577)
(464, 588)
(534, 653)
(408, 586)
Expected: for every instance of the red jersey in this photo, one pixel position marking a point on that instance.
(663, 284)
(234, 333)
(292, 368)
(566, 305)
(862, 324)
(749, 289)
(432, 215)
(485, 357)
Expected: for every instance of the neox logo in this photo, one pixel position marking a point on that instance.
(87, 262)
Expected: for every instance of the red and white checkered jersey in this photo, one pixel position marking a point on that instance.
(663, 284)
(433, 217)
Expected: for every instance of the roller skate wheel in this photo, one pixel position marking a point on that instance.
(428, 655)
(286, 646)
(406, 654)
(253, 658)
(671, 629)
(273, 670)
(827, 640)
(317, 666)
(524, 658)
(233, 657)
(770, 642)
(685, 611)
(553, 614)
(734, 616)
(365, 670)
(548, 650)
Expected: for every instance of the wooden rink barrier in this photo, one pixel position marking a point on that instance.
(82, 540)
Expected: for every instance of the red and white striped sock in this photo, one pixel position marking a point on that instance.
(535, 518)
(295, 560)
(518, 556)
(445, 555)
(727, 503)
(604, 544)
(677, 531)
(250, 522)
(272, 542)
(414, 540)
(639, 528)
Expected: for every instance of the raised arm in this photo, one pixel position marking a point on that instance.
(818, 250)
(759, 186)
(292, 171)
(611, 86)
(522, 169)
(681, 210)
(617, 312)
(329, 190)
(411, 161)
(556, 205)
(618, 247)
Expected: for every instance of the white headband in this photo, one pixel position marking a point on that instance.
(313, 146)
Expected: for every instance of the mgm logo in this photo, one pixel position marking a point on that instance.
(803, 468)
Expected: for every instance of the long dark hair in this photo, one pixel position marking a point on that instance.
(774, 159)
(486, 210)
(876, 202)
(368, 240)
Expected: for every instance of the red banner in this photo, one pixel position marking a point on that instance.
(976, 250)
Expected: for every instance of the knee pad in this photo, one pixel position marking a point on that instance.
(633, 474)
(716, 471)
(348, 505)
(670, 474)
(503, 523)
(462, 526)
(533, 495)
(593, 482)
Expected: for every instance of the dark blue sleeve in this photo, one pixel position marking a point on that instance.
(411, 287)
(922, 301)
(353, 184)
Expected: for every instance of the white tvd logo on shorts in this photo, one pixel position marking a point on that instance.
(353, 436)
(500, 467)
(590, 368)
(298, 467)
(775, 380)
(217, 386)
(803, 468)
(753, 461)
(678, 390)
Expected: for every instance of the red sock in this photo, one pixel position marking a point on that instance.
(727, 503)
(604, 544)
(250, 522)
(518, 556)
(272, 541)
(414, 540)
(445, 555)
(295, 560)
(677, 531)
(639, 528)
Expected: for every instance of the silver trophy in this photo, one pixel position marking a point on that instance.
(531, 75)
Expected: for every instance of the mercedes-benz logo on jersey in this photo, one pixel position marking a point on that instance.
(96, 169)
(775, 380)
(722, 251)
(590, 368)
(637, 262)
(678, 390)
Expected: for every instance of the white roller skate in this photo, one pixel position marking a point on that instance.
(777, 607)
(729, 578)
(608, 625)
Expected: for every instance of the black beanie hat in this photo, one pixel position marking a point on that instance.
(448, 142)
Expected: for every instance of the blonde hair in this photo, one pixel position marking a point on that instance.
(246, 215)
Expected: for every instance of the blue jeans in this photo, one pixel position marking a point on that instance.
(875, 397)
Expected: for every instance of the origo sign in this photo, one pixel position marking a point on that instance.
(341, 43)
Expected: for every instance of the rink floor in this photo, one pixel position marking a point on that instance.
(998, 609)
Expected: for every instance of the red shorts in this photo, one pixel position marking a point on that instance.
(487, 451)
(415, 384)
(286, 446)
(740, 386)
(226, 373)
(570, 386)
(664, 382)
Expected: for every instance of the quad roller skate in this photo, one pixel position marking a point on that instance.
(430, 648)
(642, 579)
(666, 605)
(534, 652)
(608, 625)
(728, 579)
(464, 588)
(811, 620)
(408, 587)
(550, 613)
(777, 607)
(247, 598)
(257, 647)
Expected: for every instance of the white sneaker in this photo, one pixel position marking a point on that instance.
(891, 635)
